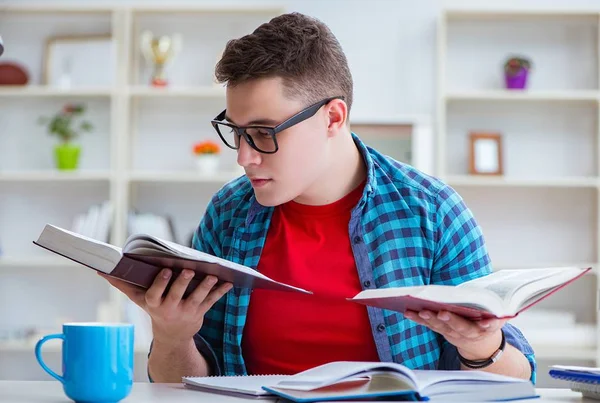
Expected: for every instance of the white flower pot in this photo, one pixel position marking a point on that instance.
(207, 164)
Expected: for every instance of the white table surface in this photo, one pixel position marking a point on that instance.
(51, 392)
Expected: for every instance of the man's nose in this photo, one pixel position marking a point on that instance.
(247, 155)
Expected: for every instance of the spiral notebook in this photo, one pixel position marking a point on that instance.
(581, 379)
(246, 386)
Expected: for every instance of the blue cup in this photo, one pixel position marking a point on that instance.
(97, 361)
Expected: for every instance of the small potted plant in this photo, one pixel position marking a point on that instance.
(67, 126)
(207, 156)
(516, 70)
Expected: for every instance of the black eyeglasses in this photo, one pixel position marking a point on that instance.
(262, 138)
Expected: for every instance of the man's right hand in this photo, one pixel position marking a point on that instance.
(175, 321)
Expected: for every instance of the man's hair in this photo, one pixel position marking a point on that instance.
(297, 48)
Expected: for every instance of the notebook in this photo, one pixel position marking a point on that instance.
(347, 380)
(581, 379)
(244, 386)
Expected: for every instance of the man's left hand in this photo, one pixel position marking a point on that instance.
(475, 340)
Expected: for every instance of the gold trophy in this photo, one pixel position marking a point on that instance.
(159, 51)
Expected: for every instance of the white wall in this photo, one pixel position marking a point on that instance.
(390, 44)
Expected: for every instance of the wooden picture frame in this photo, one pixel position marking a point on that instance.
(485, 154)
(79, 61)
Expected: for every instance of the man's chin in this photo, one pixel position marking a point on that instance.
(268, 199)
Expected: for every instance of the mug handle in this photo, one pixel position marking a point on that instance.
(38, 354)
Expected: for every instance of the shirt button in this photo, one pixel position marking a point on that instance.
(357, 239)
(380, 327)
(367, 284)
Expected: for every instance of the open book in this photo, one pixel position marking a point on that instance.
(503, 294)
(370, 381)
(143, 257)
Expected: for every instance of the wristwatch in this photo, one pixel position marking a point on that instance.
(479, 364)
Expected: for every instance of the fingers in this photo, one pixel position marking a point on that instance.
(178, 288)
(214, 296)
(423, 318)
(491, 325)
(134, 293)
(198, 296)
(155, 292)
(430, 320)
(447, 324)
(463, 327)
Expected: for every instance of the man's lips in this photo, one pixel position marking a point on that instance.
(256, 181)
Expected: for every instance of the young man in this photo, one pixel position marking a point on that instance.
(319, 210)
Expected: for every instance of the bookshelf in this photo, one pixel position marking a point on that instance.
(138, 157)
(544, 210)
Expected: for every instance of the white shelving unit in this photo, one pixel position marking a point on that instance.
(138, 157)
(544, 211)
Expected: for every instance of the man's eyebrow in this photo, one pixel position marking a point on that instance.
(265, 122)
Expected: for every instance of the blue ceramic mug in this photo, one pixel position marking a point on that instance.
(97, 361)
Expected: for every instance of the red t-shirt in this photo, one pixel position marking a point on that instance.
(285, 333)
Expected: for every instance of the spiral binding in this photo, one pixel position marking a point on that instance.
(573, 379)
(232, 376)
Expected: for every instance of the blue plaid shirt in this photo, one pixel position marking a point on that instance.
(408, 229)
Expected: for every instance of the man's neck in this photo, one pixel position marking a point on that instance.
(346, 171)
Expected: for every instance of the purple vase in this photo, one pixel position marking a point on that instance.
(518, 80)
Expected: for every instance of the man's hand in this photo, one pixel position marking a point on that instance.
(174, 320)
(474, 340)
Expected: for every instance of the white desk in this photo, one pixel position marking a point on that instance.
(51, 392)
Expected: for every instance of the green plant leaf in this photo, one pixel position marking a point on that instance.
(86, 126)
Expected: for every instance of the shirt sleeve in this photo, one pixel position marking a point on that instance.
(461, 255)
(209, 338)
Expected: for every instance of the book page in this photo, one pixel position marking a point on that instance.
(334, 372)
(145, 244)
(87, 251)
(428, 378)
(505, 283)
(589, 370)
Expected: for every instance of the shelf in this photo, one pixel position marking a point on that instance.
(44, 91)
(169, 9)
(53, 347)
(182, 177)
(562, 352)
(189, 92)
(43, 176)
(498, 14)
(45, 262)
(53, 8)
(575, 182)
(515, 266)
(517, 95)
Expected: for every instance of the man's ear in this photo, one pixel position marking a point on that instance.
(337, 116)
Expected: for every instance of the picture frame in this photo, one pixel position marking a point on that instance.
(486, 156)
(79, 61)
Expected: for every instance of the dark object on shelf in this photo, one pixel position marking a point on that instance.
(13, 74)
(1, 46)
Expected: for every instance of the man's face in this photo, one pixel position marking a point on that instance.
(303, 148)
